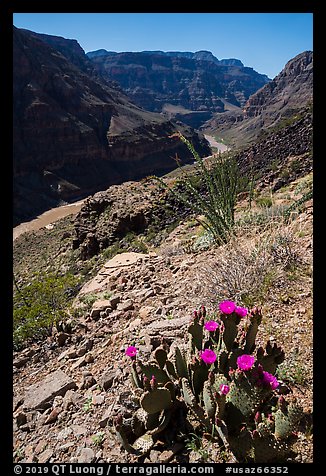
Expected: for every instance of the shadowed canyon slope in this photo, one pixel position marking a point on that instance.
(76, 133)
(287, 94)
(188, 85)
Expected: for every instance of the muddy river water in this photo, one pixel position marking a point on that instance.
(47, 218)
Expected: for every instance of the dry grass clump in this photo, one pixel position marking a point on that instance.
(252, 262)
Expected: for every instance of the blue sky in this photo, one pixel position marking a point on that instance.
(263, 41)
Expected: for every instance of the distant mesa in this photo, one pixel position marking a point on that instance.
(198, 55)
(196, 82)
(101, 52)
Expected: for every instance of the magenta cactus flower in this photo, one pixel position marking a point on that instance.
(131, 351)
(211, 326)
(268, 380)
(224, 389)
(208, 356)
(227, 307)
(245, 361)
(241, 311)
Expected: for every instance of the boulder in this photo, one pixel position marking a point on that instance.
(42, 393)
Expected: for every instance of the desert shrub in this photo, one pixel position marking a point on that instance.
(240, 271)
(245, 269)
(264, 202)
(40, 304)
(274, 214)
(89, 299)
(297, 204)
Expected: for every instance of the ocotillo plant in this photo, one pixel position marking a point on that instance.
(221, 184)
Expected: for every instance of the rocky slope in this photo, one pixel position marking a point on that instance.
(74, 132)
(274, 161)
(192, 81)
(70, 387)
(290, 91)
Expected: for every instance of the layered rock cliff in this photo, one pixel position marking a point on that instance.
(289, 92)
(195, 81)
(76, 133)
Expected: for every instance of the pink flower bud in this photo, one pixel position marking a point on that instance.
(153, 382)
(118, 420)
(218, 421)
(258, 418)
(146, 383)
(224, 389)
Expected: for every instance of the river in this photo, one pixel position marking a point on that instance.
(47, 218)
(217, 145)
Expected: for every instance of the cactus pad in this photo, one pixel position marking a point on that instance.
(160, 355)
(156, 401)
(152, 369)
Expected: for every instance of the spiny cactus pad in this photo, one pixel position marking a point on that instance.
(199, 375)
(255, 317)
(244, 397)
(231, 323)
(152, 369)
(144, 443)
(187, 394)
(271, 358)
(196, 331)
(286, 420)
(180, 363)
(209, 401)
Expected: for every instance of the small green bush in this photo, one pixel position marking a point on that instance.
(40, 304)
(264, 202)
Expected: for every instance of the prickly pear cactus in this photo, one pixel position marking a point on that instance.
(220, 382)
(243, 396)
(231, 323)
(273, 356)
(255, 318)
